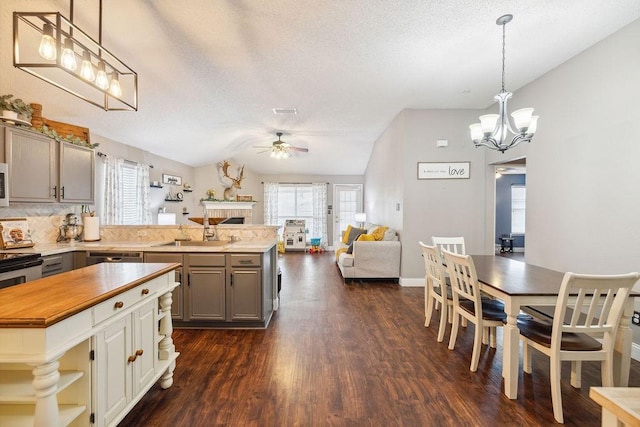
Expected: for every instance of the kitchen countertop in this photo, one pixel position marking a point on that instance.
(46, 249)
(44, 302)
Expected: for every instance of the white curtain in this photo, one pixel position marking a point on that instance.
(126, 192)
(271, 203)
(320, 212)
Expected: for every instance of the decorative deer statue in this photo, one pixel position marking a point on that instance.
(230, 192)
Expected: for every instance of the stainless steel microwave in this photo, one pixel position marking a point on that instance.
(4, 184)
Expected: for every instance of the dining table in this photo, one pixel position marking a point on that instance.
(519, 285)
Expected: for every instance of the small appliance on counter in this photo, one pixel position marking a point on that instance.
(70, 230)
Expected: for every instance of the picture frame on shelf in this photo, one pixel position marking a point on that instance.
(171, 179)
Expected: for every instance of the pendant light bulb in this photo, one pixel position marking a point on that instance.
(114, 88)
(68, 57)
(47, 47)
(102, 81)
(86, 71)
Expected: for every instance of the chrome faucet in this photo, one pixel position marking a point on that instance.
(207, 234)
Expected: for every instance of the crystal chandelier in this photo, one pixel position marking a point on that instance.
(492, 131)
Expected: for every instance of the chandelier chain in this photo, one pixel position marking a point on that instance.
(503, 53)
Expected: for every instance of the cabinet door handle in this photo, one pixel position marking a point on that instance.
(179, 274)
(231, 279)
(132, 358)
(189, 279)
(55, 191)
(62, 192)
(119, 304)
(145, 291)
(139, 352)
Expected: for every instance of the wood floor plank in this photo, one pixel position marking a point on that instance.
(354, 354)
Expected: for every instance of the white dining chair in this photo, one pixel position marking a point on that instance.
(468, 304)
(588, 307)
(436, 293)
(452, 244)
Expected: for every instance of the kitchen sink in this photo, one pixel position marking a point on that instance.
(197, 243)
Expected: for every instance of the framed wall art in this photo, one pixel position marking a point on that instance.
(171, 179)
(444, 170)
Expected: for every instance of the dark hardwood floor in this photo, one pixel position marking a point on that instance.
(354, 354)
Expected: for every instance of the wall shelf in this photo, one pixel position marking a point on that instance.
(172, 200)
(155, 186)
(187, 191)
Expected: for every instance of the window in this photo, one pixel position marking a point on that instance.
(126, 197)
(295, 201)
(518, 205)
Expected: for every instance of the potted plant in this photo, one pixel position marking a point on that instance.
(23, 109)
(6, 107)
(15, 108)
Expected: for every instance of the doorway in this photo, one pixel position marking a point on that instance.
(510, 208)
(347, 201)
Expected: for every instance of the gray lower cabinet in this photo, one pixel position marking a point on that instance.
(177, 306)
(245, 283)
(207, 287)
(220, 290)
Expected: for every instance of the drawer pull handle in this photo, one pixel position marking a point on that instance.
(246, 261)
(145, 291)
(119, 304)
(133, 357)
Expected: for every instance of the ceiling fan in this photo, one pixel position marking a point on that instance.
(280, 149)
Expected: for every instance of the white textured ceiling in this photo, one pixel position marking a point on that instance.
(211, 71)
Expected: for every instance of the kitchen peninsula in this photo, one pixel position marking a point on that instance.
(82, 347)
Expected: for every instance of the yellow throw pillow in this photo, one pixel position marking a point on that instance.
(365, 238)
(345, 236)
(340, 251)
(378, 233)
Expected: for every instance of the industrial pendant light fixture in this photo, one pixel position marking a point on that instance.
(493, 130)
(49, 46)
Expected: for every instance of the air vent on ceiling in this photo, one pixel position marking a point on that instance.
(285, 111)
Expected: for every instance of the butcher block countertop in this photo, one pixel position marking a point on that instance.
(44, 302)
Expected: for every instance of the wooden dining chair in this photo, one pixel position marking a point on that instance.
(436, 292)
(468, 304)
(588, 307)
(452, 244)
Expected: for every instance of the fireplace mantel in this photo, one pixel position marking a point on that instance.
(221, 205)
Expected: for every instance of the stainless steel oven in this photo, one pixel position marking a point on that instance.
(19, 268)
(4, 184)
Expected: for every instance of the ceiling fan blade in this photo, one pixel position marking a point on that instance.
(304, 150)
(261, 146)
(263, 151)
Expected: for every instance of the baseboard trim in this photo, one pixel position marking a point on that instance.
(412, 282)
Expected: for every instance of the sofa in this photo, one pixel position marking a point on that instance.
(372, 252)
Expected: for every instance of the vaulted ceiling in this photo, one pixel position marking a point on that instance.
(211, 71)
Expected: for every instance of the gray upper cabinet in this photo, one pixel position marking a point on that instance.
(32, 166)
(45, 171)
(77, 174)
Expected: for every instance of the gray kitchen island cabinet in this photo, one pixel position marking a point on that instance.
(222, 290)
